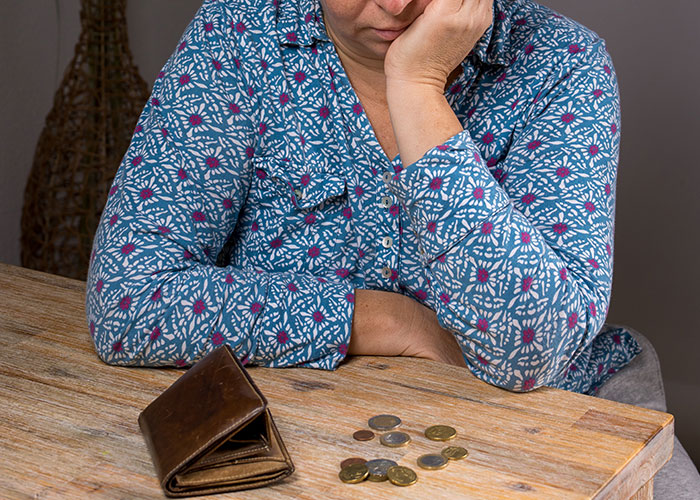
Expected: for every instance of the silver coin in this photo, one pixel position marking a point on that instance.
(432, 461)
(384, 422)
(395, 439)
(378, 468)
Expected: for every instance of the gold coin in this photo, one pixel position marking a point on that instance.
(363, 435)
(395, 439)
(401, 476)
(455, 452)
(355, 473)
(432, 461)
(384, 422)
(440, 433)
(376, 478)
(352, 461)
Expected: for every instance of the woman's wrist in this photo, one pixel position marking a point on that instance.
(392, 324)
(421, 117)
(379, 323)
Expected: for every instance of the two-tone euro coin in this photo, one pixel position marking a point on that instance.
(384, 422)
(395, 439)
(378, 469)
(432, 461)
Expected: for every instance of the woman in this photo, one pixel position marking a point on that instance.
(312, 152)
(390, 177)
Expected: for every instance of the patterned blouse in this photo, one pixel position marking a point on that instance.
(255, 198)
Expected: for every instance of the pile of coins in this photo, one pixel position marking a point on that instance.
(356, 470)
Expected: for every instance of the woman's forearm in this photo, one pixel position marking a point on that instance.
(421, 118)
(376, 324)
(417, 66)
(391, 324)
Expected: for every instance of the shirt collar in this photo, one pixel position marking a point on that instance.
(299, 22)
(492, 47)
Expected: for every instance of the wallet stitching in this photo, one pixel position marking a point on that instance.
(251, 460)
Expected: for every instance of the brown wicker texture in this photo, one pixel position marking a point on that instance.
(85, 136)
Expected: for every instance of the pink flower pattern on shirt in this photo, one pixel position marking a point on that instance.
(254, 198)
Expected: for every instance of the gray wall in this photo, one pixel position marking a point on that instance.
(655, 49)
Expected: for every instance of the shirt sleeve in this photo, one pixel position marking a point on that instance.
(522, 261)
(155, 295)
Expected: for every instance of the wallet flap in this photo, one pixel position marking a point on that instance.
(208, 404)
(257, 469)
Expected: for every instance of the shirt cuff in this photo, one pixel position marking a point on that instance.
(306, 321)
(447, 194)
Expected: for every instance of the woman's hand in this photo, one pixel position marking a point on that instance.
(417, 66)
(437, 41)
(430, 340)
(391, 324)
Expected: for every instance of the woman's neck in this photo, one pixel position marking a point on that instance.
(366, 75)
(368, 82)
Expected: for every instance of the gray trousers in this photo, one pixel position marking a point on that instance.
(640, 384)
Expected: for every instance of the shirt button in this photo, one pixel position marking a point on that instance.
(387, 177)
(386, 201)
(387, 242)
(386, 272)
(298, 194)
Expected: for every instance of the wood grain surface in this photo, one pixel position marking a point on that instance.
(68, 422)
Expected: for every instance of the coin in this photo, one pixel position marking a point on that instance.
(440, 432)
(395, 439)
(355, 473)
(384, 422)
(455, 452)
(352, 461)
(432, 461)
(401, 476)
(363, 435)
(378, 467)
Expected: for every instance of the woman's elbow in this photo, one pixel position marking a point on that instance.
(111, 345)
(517, 372)
(113, 333)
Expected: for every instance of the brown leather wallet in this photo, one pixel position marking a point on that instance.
(211, 431)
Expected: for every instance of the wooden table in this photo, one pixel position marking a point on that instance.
(68, 425)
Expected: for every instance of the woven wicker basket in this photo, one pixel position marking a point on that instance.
(85, 136)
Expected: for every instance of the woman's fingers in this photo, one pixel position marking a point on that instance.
(438, 40)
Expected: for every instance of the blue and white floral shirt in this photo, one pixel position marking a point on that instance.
(255, 198)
